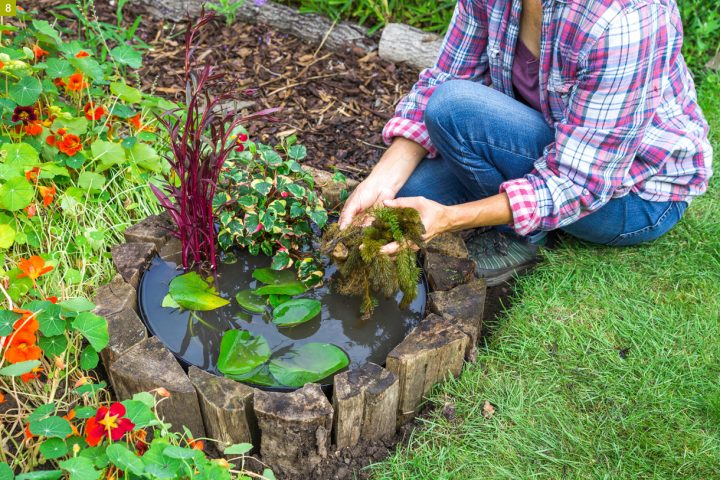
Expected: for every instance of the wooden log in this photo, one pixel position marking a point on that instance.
(307, 26)
(227, 409)
(156, 229)
(444, 272)
(365, 401)
(465, 305)
(125, 330)
(330, 189)
(450, 244)
(295, 429)
(130, 259)
(428, 354)
(402, 43)
(114, 297)
(149, 365)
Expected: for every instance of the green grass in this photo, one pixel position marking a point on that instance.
(568, 404)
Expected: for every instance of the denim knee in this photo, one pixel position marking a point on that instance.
(444, 103)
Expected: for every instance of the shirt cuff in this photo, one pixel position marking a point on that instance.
(410, 129)
(523, 203)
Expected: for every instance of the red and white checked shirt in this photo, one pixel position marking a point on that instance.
(614, 86)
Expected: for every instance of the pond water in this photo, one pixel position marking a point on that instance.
(198, 342)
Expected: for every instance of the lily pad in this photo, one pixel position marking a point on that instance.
(241, 352)
(250, 302)
(192, 292)
(278, 282)
(259, 376)
(275, 300)
(295, 312)
(308, 363)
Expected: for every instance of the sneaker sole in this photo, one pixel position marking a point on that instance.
(497, 277)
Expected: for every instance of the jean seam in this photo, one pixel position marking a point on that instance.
(649, 228)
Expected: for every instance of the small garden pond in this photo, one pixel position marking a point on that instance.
(195, 336)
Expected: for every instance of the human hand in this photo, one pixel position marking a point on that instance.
(434, 217)
(366, 195)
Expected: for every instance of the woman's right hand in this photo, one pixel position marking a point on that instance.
(367, 194)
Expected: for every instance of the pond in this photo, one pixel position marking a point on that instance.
(195, 337)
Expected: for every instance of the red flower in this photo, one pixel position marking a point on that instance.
(48, 194)
(34, 129)
(284, 194)
(22, 347)
(196, 444)
(33, 267)
(59, 82)
(107, 423)
(52, 300)
(135, 122)
(82, 54)
(50, 139)
(240, 148)
(76, 82)
(32, 175)
(31, 210)
(38, 52)
(94, 113)
(70, 144)
(24, 115)
(31, 375)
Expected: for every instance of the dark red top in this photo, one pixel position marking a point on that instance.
(525, 75)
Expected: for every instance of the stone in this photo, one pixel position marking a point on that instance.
(227, 408)
(156, 229)
(365, 400)
(172, 251)
(402, 43)
(450, 244)
(465, 305)
(131, 258)
(149, 365)
(429, 353)
(295, 429)
(125, 330)
(114, 297)
(330, 189)
(444, 272)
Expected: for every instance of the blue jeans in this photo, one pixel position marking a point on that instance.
(485, 138)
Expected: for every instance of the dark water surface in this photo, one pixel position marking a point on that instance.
(339, 322)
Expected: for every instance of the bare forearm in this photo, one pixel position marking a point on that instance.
(398, 163)
(487, 212)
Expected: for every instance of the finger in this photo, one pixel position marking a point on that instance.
(390, 249)
(404, 202)
(347, 215)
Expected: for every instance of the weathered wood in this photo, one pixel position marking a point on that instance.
(365, 401)
(450, 244)
(402, 43)
(430, 352)
(330, 189)
(444, 272)
(131, 258)
(465, 304)
(295, 428)
(149, 365)
(307, 26)
(114, 297)
(154, 229)
(125, 330)
(227, 408)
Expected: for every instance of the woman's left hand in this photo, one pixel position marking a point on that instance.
(433, 215)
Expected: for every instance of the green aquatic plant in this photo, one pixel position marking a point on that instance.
(363, 270)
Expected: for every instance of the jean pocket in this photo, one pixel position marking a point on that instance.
(670, 216)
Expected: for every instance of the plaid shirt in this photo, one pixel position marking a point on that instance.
(613, 85)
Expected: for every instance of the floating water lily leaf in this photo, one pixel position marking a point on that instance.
(250, 302)
(275, 300)
(278, 282)
(168, 302)
(295, 312)
(259, 376)
(192, 292)
(241, 352)
(308, 363)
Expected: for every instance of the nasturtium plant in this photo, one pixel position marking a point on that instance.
(308, 363)
(192, 292)
(297, 311)
(241, 352)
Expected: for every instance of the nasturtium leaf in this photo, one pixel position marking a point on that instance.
(145, 156)
(20, 156)
(17, 369)
(275, 300)
(126, 92)
(53, 448)
(77, 304)
(308, 363)
(7, 320)
(53, 346)
(6, 473)
(7, 236)
(127, 55)
(250, 302)
(40, 475)
(107, 153)
(51, 170)
(278, 282)
(192, 292)
(26, 91)
(50, 320)
(93, 328)
(53, 426)
(181, 453)
(85, 412)
(58, 68)
(16, 194)
(124, 459)
(91, 181)
(295, 312)
(268, 474)
(46, 31)
(89, 358)
(80, 468)
(139, 413)
(42, 411)
(90, 67)
(241, 352)
(238, 449)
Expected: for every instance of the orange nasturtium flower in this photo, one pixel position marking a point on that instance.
(38, 52)
(22, 347)
(70, 144)
(33, 267)
(59, 82)
(107, 423)
(48, 194)
(82, 54)
(76, 82)
(31, 375)
(32, 175)
(94, 113)
(34, 129)
(135, 121)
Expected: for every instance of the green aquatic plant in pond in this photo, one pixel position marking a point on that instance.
(278, 282)
(295, 312)
(364, 271)
(308, 363)
(251, 302)
(192, 292)
(241, 352)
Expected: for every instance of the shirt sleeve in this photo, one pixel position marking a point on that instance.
(463, 56)
(614, 100)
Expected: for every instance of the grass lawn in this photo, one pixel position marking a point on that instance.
(606, 366)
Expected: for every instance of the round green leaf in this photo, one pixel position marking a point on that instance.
(124, 459)
(53, 346)
(57, 68)
(16, 194)
(126, 92)
(139, 413)
(26, 91)
(278, 282)
(107, 153)
(7, 321)
(241, 352)
(20, 156)
(192, 292)
(308, 363)
(250, 302)
(127, 55)
(40, 475)
(295, 312)
(51, 427)
(53, 448)
(91, 181)
(238, 449)
(89, 358)
(181, 453)
(80, 468)
(93, 328)
(7, 236)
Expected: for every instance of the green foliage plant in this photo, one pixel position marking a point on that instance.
(363, 270)
(226, 8)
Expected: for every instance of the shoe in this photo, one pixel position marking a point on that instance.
(499, 256)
